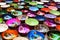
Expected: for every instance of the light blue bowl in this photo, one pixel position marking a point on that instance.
(33, 8)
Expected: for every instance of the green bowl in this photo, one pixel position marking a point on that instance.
(31, 22)
(33, 3)
(1, 20)
(16, 13)
(40, 6)
(3, 12)
(55, 12)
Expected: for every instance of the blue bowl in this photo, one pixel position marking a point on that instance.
(40, 18)
(32, 8)
(32, 35)
(7, 16)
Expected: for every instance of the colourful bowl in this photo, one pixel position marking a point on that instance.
(3, 27)
(53, 7)
(20, 7)
(45, 9)
(31, 14)
(40, 13)
(42, 28)
(31, 22)
(15, 5)
(15, 0)
(14, 22)
(1, 20)
(5, 6)
(40, 18)
(50, 16)
(3, 12)
(56, 0)
(58, 27)
(40, 6)
(50, 23)
(35, 35)
(33, 3)
(16, 13)
(23, 28)
(57, 20)
(9, 34)
(24, 11)
(40, 2)
(10, 9)
(2, 3)
(22, 17)
(58, 6)
(54, 35)
(55, 12)
(33, 8)
(9, 2)
(22, 3)
(7, 16)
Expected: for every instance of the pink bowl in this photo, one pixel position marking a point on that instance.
(12, 22)
(23, 28)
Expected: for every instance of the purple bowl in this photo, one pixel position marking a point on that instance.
(23, 28)
(50, 16)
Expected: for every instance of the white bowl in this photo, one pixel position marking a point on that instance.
(3, 27)
(5, 6)
(40, 3)
(2, 3)
(56, 0)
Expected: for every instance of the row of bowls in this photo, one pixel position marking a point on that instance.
(30, 19)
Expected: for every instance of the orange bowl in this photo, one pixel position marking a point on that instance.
(57, 20)
(9, 34)
(58, 27)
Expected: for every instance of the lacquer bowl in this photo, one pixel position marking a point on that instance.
(35, 35)
(9, 34)
(14, 22)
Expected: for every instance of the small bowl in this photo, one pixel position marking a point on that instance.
(40, 13)
(35, 35)
(14, 22)
(31, 22)
(50, 16)
(7, 16)
(2, 3)
(9, 34)
(40, 18)
(32, 8)
(57, 20)
(5, 6)
(16, 13)
(23, 29)
(50, 23)
(54, 35)
(3, 27)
